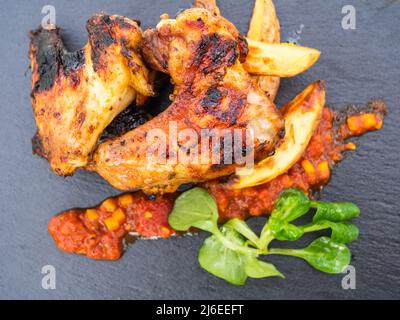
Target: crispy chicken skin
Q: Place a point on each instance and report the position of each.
(202, 53)
(75, 95)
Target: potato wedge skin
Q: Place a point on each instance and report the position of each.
(302, 116)
(282, 60)
(264, 26)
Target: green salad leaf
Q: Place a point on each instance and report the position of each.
(342, 232)
(291, 204)
(232, 265)
(194, 208)
(256, 268)
(232, 251)
(242, 227)
(284, 231)
(335, 211)
(221, 261)
(323, 254)
(328, 215)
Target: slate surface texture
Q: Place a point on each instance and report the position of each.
(356, 65)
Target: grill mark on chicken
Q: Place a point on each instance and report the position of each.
(212, 98)
(203, 48)
(213, 51)
(211, 104)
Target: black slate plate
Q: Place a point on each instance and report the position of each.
(356, 64)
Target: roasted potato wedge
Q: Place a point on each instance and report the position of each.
(281, 60)
(268, 57)
(264, 27)
(301, 116)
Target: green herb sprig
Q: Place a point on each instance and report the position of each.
(232, 251)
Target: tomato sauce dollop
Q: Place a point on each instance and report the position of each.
(99, 232)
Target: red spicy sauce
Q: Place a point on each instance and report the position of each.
(99, 232)
(311, 172)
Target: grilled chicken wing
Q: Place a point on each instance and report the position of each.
(202, 53)
(75, 95)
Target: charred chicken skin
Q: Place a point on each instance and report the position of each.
(75, 95)
(202, 53)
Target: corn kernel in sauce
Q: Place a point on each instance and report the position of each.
(351, 146)
(74, 232)
(148, 215)
(109, 205)
(323, 170)
(308, 167)
(111, 223)
(125, 200)
(92, 214)
(357, 124)
(119, 215)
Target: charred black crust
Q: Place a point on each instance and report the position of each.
(51, 58)
(101, 36)
(126, 121)
(243, 48)
(37, 146)
(123, 23)
(214, 52)
(212, 98)
(128, 54)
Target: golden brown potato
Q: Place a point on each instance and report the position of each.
(264, 27)
(301, 116)
(282, 60)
